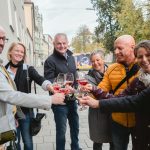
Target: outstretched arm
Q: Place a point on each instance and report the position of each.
(136, 103)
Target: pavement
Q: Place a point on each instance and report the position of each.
(45, 140)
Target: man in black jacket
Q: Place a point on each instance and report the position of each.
(62, 61)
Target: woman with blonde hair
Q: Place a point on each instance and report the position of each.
(100, 130)
(23, 76)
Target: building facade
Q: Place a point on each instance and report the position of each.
(13, 21)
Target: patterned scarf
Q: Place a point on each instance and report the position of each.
(144, 77)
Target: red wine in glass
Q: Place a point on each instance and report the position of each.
(56, 88)
(82, 82)
(64, 90)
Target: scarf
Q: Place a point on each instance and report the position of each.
(19, 72)
(144, 77)
(94, 76)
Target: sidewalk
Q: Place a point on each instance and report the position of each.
(45, 140)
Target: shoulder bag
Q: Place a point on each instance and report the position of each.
(35, 125)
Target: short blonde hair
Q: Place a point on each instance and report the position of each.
(12, 46)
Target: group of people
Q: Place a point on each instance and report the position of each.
(110, 121)
(128, 76)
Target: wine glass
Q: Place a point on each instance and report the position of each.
(56, 86)
(61, 79)
(80, 77)
(69, 82)
(69, 79)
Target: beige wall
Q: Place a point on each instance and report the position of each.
(29, 18)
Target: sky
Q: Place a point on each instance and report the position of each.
(66, 16)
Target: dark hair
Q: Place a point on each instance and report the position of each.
(143, 44)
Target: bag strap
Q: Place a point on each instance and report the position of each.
(135, 68)
(28, 78)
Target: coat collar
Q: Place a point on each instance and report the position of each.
(56, 53)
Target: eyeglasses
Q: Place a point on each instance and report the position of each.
(4, 39)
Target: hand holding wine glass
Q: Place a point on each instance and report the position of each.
(69, 82)
(59, 82)
(80, 77)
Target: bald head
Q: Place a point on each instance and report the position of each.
(2, 38)
(124, 49)
(126, 39)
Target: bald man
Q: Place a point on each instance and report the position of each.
(122, 123)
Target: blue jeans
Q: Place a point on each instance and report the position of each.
(24, 131)
(61, 114)
(120, 136)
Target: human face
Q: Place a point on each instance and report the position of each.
(123, 51)
(61, 44)
(17, 54)
(143, 58)
(2, 40)
(97, 62)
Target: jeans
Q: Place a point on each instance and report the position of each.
(120, 136)
(24, 131)
(61, 114)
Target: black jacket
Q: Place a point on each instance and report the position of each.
(136, 103)
(57, 63)
(141, 105)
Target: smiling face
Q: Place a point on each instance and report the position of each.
(17, 53)
(124, 49)
(143, 58)
(61, 43)
(97, 62)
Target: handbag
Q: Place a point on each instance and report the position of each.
(12, 146)
(7, 136)
(6, 132)
(35, 125)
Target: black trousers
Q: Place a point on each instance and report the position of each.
(98, 146)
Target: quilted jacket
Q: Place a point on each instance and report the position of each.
(114, 74)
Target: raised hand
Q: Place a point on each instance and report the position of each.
(50, 88)
(86, 88)
(58, 99)
(87, 100)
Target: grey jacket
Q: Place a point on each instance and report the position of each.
(9, 96)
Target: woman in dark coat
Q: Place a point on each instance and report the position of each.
(19, 71)
(100, 130)
(139, 103)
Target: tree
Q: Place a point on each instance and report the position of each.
(118, 17)
(130, 20)
(84, 41)
(133, 19)
(108, 25)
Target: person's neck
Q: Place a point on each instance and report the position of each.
(102, 69)
(15, 64)
(130, 61)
